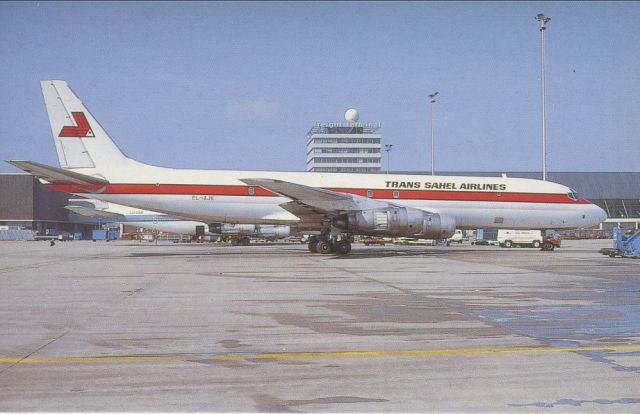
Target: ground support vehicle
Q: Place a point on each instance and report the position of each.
(519, 238)
(624, 245)
(457, 237)
(550, 242)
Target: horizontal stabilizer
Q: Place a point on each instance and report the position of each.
(55, 175)
(92, 212)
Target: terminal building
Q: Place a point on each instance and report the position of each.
(25, 203)
(349, 146)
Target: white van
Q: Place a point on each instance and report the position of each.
(524, 238)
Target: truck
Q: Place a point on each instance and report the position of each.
(485, 237)
(519, 238)
(456, 238)
(527, 238)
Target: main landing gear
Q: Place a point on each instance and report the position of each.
(240, 241)
(327, 243)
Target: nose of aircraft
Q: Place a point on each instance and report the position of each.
(596, 214)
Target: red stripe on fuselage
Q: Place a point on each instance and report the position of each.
(171, 189)
(466, 196)
(239, 190)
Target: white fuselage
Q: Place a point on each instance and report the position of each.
(153, 220)
(219, 196)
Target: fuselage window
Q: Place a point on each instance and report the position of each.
(251, 191)
(396, 194)
(370, 193)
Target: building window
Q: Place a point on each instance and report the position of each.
(346, 140)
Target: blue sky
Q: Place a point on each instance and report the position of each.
(238, 85)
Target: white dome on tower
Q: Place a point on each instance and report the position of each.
(351, 115)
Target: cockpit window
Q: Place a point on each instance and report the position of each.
(573, 194)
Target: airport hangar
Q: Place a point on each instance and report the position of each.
(27, 204)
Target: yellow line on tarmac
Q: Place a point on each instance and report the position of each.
(303, 355)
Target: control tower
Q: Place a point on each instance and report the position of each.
(349, 146)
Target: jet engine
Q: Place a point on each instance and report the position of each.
(397, 222)
(274, 232)
(260, 230)
(227, 228)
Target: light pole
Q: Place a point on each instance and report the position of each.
(432, 97)
(387, 147)
(543, 26)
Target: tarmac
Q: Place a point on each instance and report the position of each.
(127, 326)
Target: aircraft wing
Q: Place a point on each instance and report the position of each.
(312, 204)
(55, 175)
(319, 198)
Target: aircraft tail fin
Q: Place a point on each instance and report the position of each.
(80, 140)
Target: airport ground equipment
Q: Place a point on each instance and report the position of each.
(550, 242)
(457, 237)
(103, 235)
(624, 245)
(519, 238)
(486, 237)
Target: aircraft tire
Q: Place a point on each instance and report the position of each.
(323, 247)
(343, 247)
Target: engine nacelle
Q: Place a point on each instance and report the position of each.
(227, 228)
(274, 232)
(397, 222)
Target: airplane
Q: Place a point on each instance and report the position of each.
(336, 205)
(96, 211)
